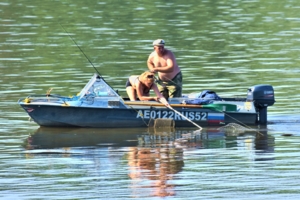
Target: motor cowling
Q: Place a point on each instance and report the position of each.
(261, 95)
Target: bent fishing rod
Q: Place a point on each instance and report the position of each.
(82, 51)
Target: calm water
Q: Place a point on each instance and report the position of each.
(226, 46)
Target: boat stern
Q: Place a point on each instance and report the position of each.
(262, 96)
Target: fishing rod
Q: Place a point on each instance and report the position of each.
(82, 51)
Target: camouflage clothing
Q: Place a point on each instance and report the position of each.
(172, 88)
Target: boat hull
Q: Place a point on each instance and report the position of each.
(62, 116)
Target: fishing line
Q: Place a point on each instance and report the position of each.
(157, 80)
(243, 124)
(81, 51)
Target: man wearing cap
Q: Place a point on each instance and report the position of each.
(163, 61)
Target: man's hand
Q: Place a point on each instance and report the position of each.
(153, 70)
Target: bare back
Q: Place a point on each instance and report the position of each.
(134, 80)
(141, 87)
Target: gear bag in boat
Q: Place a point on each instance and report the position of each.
(205, 97)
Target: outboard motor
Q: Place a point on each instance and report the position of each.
(262, 96)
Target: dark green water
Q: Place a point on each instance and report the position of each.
(226, 46)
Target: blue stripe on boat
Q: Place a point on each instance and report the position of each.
(215, 118)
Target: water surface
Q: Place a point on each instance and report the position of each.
(226, 46)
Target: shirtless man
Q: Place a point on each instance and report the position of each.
(163, 61)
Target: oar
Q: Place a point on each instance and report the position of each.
(221, 107)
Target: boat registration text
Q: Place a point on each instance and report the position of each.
(153, 114)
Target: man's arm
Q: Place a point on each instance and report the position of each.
(150, 64)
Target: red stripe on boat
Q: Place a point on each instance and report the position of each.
(215, 121)
(29, 109)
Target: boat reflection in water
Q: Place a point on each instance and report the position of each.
(54, 138)
(152, 154)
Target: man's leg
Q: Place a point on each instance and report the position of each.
(163, 90)
(175, 87)
(174, 91)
